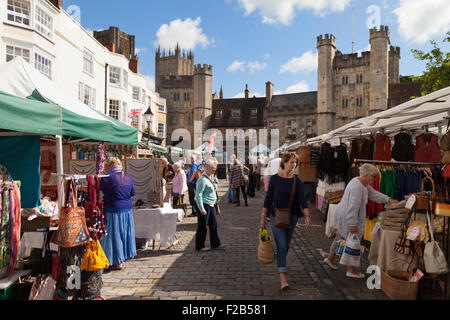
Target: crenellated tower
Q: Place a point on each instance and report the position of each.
(203, 93)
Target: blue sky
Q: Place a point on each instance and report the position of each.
(255, 41)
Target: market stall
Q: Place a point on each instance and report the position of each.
(409, 144)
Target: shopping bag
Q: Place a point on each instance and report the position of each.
(180, 204)
(266, 251)
(94, 259)
(352, 252)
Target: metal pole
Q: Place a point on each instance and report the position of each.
(59, 168)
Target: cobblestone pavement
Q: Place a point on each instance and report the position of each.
(181, 273)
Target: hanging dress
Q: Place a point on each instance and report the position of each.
(427, 149)
(383, 148)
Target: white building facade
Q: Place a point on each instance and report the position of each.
(57, 45)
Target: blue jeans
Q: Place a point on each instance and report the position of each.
(202, 222)
(231, 195)
(283, 239)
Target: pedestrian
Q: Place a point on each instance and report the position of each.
(238, 181)
(119, 244)
(192, 177)
(167, 175)
(251, 177)
(258, 173)
(179, 185)
(350, 215)
(206, 198)
(278, 195)
(231, 192)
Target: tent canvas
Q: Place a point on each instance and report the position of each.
(260, 149)
(32, 103)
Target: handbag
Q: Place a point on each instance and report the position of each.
(72, 230)
(434, 258)
(43, 288)
(422, 198)
(94, 258)
(283, 216)
(266, 251)
(352, 252)
(94, 211)
(180, 204)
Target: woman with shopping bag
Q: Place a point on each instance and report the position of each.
(350, 216)
(179, 186)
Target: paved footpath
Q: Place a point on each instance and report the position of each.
(181, 273)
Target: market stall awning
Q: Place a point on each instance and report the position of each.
(431, 110)
(32, 103)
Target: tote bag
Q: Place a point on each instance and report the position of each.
(352, 252)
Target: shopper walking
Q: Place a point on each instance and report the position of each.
(119, 244)
(192, 177)
(206, 198)
(179, 185)
(279, 193)
(350, 215)
(238, 181)
(231, 192)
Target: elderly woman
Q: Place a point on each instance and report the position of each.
(206, 198)
(119, 243)
(179, 184)
(238, 181)
(350, 215)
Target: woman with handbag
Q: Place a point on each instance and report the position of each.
(350, 215)
(179, 187)
(238, 182)
(285, 191)
(206, 199)
(119, 244)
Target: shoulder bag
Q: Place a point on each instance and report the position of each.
(283, 216)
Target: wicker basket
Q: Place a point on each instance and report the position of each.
(39, 223)
(396, 289)
(422, 198)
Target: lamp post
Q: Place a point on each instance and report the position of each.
(148, 117)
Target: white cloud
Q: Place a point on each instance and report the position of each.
(141, 50)
(187, 34)
(256, 66)
(150, 82)
(236, 65)
(420, 20)
(242, 95)
(302, 86)
(306, 63)
(283, 11)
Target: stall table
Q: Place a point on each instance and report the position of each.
(158, 224)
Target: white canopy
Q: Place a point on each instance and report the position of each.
(260, 149)
(431, 111)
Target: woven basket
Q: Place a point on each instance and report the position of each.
(39, 223)
(266, 252)
(422, 198)
(396, 289)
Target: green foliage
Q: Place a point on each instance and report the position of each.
(437, 74)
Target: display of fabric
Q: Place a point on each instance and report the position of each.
(101, 156)
(427, 149)
(403, 149)
(10, 205)
(143, 173)
(361, 149)
(374, 208)
(383, 148)
(83, 167)
(333, 164)
(22, 156)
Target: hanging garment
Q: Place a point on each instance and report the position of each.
(427, 149)
(333, 163)
(403, 149)
(374, 208)
(383, 148)
(361, 149)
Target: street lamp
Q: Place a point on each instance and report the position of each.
(148, 117)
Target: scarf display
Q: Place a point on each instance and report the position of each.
(10, 206)
(83, 167)
(101, 156)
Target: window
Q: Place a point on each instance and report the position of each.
(44, 23)
(173, 119)
(161, 108)
(187, 96)
(19, 11)
(125, 79)
(125, 112)
(161, 130)
(219, 114)
(87, 95)
(253, 113)
(359, 78)
(114, 106)
(88, 62)
(13, 52)
(344, 103)
(236, 113)
(176, 97)
(114, 75)
(189, 120)
(143, 96)
(136, 93)
(42, 64)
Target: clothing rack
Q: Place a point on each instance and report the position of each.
(76, 177)
(399, 162)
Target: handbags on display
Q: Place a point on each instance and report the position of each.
(94, 213)
(43, 288)
(283, 216)
(434, 258)
(72, 229)
(94, 259)
(422, 198)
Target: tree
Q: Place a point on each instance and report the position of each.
(437, 74)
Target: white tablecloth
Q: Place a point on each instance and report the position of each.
(157, 224)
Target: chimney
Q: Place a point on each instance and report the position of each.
(247, 92)
(111, 47)
(134, 65)
(269, 92)
(221, 92)
(57, 3)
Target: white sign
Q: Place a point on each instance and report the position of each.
(410, 203)
(336, 142)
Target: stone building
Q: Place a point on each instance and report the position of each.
(187, 88)
(352, 86)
